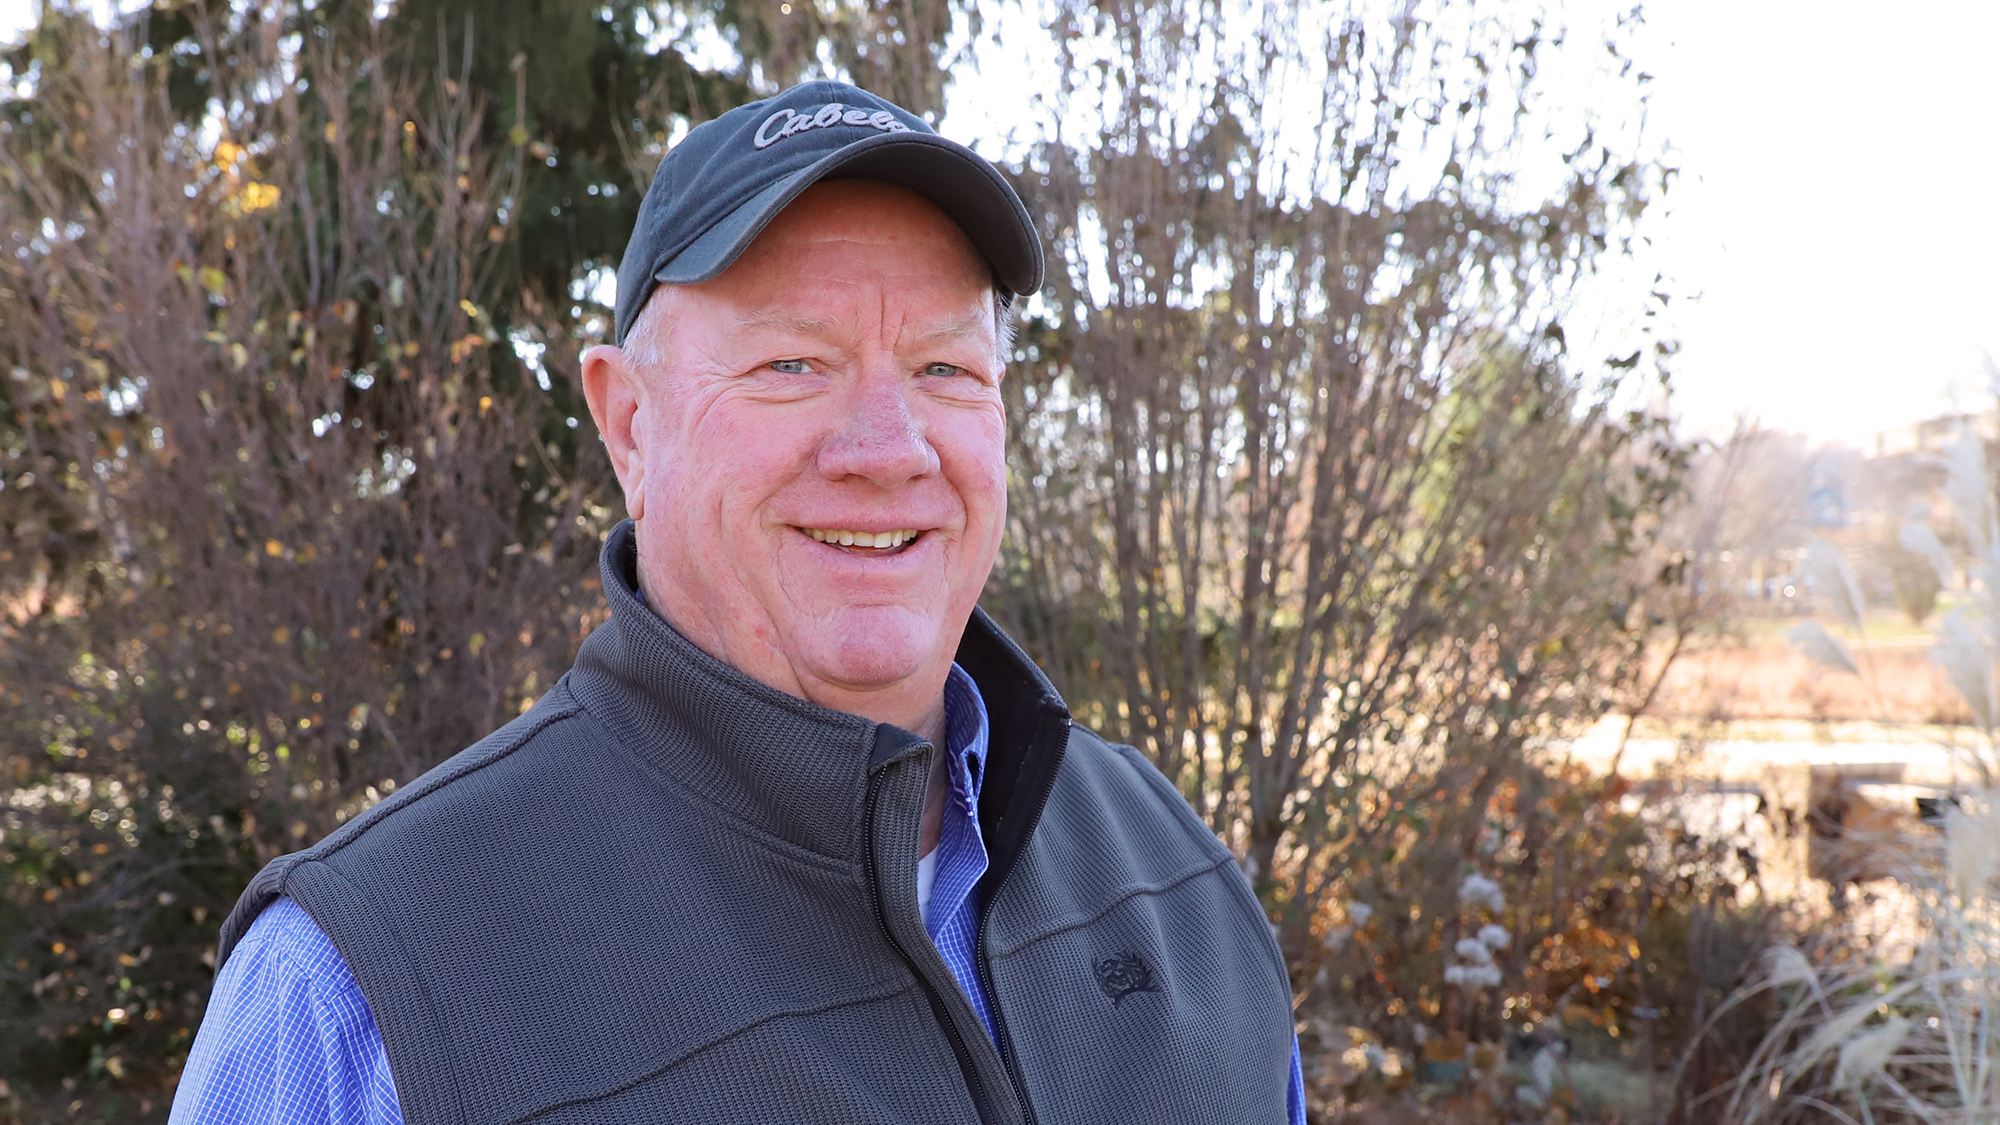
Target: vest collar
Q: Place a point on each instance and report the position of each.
(789, 767)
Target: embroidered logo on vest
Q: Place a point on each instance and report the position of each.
(1122, 974)
(786, 123)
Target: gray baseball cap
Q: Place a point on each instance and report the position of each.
(729, 177)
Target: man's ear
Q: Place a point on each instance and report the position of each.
(610, 386)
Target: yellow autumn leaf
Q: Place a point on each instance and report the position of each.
(273, 548)
(470, 309)
(257, 196)
(464, 346)
(214, 280)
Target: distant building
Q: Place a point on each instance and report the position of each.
(1933, 435)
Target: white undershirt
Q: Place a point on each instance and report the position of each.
(926, 875)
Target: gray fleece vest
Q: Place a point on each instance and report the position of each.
(668, 893)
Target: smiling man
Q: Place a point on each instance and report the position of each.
(802, 837)
(812, 447)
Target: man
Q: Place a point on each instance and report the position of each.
(802, 837)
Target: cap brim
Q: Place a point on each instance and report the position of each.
(965, 187)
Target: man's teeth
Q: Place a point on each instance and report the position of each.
(876, 539)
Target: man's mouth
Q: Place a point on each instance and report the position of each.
(885, 542)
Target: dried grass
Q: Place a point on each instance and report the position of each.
(1748, 682)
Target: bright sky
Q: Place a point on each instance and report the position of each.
(1839, 211)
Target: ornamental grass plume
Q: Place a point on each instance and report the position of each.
(1866, 1035)
(1864, 1056)
(1784, 964)
(1972, 841)
(1863, 1033)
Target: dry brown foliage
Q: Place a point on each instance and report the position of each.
(285, 520)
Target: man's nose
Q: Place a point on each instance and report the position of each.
(880, 438)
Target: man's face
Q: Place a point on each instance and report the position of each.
(817, 448)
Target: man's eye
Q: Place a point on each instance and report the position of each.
(943, 370)
(790, 366)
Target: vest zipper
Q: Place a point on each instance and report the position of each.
(986, 973)
(970, 1070)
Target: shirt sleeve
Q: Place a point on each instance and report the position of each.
(1295, 1095)
(288, 1037)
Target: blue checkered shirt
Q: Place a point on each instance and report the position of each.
(961, 852)
(289, 1039)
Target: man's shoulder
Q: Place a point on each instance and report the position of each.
(457, 792)
(285, 961)
(1110, 797)
(1117, 777)
(557, 723)
(1115, 831)
(287, 1026)
(287, 944)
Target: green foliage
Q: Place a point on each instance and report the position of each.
(1915, 581)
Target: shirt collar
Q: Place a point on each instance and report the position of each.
(965, 730)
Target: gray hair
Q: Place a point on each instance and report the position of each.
(645, 343)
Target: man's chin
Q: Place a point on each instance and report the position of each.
(876, 651)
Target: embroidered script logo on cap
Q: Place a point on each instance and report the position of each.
(786, 123)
